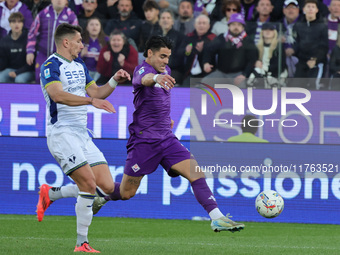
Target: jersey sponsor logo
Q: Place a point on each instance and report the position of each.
(135, 168)
(142, 70)
(47, 73)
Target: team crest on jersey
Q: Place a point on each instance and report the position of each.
(135, 168)
(47, 73)
(142, 70)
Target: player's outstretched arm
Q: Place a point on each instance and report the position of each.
(58, 95)
(106, 90)
(165, 80)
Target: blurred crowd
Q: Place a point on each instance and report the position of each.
(258, 43)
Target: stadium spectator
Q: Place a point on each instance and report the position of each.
(264, 8)
(94, 39)
(88, 11)
(108, 8)
(249, 9)
(249, 128)
(185, 21)
(138, 8)
(229, 7)
(333, 23)
(211, 8)
(334, 67)
(311, 47)
(13, 67)
(196, 42)
(151, 24)
(36, 6)
(152, 141)
(270, 65)
(127, 21)
(235, 46)
(176, 63)
(170, 5)
(40, 42)
(291, 13)
(9, 6)
(118, 54)
(65, 81)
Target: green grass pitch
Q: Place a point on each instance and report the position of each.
(24, 235)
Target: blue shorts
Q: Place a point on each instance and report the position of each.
(144, 155)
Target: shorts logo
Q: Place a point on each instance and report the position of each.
(72, 159)
(47, 73)
(135, 168)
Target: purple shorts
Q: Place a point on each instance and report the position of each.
(144, 155)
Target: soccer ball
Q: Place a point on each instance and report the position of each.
(269, 204)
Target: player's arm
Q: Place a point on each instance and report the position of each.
(58, 95)
(165, 80)
(106, 90)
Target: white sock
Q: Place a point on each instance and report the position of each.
(65, 191)
(215, 214)
(84, 213)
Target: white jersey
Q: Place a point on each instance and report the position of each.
(75, 79)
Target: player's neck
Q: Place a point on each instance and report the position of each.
(65, 55)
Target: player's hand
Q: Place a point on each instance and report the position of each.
(12, 74)
(107, 56)
(207, 67)
(121, 76)
(172, 124)
(166, 81)
(103, 104)
(121, 59)
(29, 58)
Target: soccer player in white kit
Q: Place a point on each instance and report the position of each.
(65, 81)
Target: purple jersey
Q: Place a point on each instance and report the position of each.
(151, 118)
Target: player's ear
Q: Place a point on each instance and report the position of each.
(150, 53)
(66, 42)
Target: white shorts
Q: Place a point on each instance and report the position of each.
(73, 148)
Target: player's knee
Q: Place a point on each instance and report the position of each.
(128, 195)
(90, 186)
(108, 189)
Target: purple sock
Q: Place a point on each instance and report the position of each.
(115, 195)
(204, 195)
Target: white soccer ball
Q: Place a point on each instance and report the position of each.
(269, 204)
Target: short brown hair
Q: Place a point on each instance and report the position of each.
(150, 4)
(65, 29)
(227, 3)
(16, 16)
(311, 2)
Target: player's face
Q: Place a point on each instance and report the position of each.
(93, 27)
(76, 45)
(16, 26)
(159, 59)
(117, 43)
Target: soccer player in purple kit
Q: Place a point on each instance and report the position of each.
(151, 139)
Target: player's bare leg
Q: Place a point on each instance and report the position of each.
(189, 169)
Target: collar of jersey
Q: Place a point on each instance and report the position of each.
(60, 56)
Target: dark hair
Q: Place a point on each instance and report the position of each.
(101, 37)
(227, 3)
(150, 4)
(311, 2)
(16, 16)
(246, 127)
(65, 29)
(155, 43)
(189, 1)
